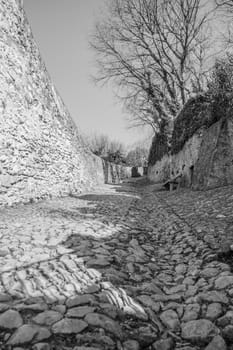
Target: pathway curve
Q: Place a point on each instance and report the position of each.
(128, 267)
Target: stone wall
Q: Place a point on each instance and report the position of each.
(41, 152)
(182, 162)
(114, 173)
(206, 160)
(214, 166)
(202, 154)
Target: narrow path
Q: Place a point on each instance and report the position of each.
(128, 267)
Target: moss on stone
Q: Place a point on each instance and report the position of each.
(199, 112)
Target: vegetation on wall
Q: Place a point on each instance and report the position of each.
(204, 110)
(160, 146)
(200, 111)
(221, 87)
(194, 115)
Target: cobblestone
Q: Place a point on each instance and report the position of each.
(128, 267)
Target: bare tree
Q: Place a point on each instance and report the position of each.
(99, 144)
(102, 146)
(137, 157)
(154, 51)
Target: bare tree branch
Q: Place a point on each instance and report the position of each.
(154, 51)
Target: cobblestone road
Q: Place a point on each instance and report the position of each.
(129, 267)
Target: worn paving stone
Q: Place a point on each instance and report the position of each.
(224, 282)
(47, 318)
(170, 319)
(217, 343)
(199, 331)
(225, 319)
(102, 321)
(227, 333)
(149, 302)
(214, 297)
(27, 333)
(80, 300)
(209, 272)
(10, 319)
(69, 326)
(43, 334)
(80, 312)
(192, 312)
(214, 311)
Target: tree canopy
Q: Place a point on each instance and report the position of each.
(154, 51)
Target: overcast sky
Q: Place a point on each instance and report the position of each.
(61, 29)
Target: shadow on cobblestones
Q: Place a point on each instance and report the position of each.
(226, 258)
(125, 268)
(62, 273)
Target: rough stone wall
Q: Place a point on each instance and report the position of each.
(205, 161)
(214, 166)
(184, 161)
(181, 162)
(201, 145)
(114, 173)
(41, 152)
